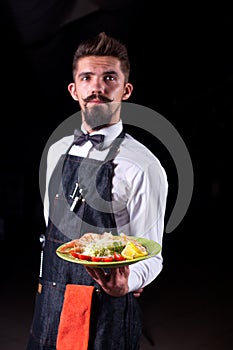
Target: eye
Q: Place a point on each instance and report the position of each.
(110, 78)
(85, 78)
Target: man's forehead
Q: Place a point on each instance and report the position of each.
(98, 63)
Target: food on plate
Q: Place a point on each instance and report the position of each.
(104, 247)
(132, 251)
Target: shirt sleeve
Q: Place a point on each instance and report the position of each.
(147, 189)
(54, 153)
(49, 171)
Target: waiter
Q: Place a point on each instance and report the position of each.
(99, 180)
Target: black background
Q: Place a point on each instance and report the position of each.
(181, 67)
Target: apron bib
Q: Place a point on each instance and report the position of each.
(80, 203)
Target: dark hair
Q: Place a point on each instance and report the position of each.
(103, 45)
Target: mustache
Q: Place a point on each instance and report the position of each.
(99, 97)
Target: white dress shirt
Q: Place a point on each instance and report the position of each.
(139, 182)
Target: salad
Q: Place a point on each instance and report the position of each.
(104, 247)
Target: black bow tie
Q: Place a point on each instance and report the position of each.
(96, 140)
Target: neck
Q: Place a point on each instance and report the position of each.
(89, 129)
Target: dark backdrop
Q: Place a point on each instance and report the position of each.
(181, 67)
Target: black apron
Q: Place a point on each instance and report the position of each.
(115, 321)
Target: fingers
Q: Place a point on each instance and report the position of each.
(124, 270)
(138, 292)
(114, 283)
(99, 275)
(119, 272)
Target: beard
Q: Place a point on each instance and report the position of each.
(100, 115)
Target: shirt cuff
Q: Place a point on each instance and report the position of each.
(144, 272)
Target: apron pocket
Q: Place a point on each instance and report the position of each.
(67, 222)
(48, 305)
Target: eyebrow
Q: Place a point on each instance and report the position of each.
(104, 73)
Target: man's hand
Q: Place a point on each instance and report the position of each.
(114, 283)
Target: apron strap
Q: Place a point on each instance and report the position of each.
(114, 148)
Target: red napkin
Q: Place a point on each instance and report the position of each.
(73, 331)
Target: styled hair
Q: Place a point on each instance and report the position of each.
(103, 45)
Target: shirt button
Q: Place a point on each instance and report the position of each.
(54, 284)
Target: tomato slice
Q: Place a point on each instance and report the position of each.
(107, 259)
(92, 258)
(74, 254)
(102, 258)
(96, 258)
(81, 256)
(118, 257)
(84, 257)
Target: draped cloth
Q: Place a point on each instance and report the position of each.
(74, 326)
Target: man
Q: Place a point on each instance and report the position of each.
(111, 183)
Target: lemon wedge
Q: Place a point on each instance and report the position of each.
(132, 251)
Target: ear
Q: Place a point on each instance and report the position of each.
(127, 91)
(72, 91)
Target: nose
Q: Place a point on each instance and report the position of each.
(97, 86)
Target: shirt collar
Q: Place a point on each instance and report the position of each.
(109, 132)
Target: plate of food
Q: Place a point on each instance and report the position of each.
(108, 250)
